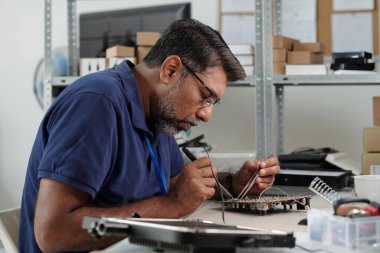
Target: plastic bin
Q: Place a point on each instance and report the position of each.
(354, 233)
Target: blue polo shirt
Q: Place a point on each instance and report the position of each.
(93, 139)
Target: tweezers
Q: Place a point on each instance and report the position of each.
(224, 190)
(249, 184)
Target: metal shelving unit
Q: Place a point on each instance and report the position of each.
(269, 114)
(313, 80)
(281, 81)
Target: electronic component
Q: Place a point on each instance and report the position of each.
(269, 203)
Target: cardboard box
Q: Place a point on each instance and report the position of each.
(147, 38)
(113, 61)
(142, 52)
(278, 68)
(120, 51)
(283, 42)
(369, 159)
(279, 55)
(304, 57)
(376, 111)
(91, 65)
(371, 139)
(316, 47)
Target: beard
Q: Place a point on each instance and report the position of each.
(166, 121)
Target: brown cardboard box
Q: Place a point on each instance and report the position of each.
(142, 52)
(316, 47)
(283, 42)
(371, 139)
(279, 55)
(304, 57)
(376, 111)
(147, 38)
(369, 159)
(278, 68)
(120, 51)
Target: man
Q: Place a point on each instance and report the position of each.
(105, 147)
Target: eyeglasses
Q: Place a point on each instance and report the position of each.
(208, 100)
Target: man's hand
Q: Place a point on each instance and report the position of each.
(268, 168)
(194, 185)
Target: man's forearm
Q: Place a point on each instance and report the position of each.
(67, 235)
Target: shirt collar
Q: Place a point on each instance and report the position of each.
(137, 113)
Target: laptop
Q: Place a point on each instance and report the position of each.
(194, 236)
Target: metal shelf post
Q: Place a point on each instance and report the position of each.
(47, 56)
(279, 120)
(73, 52)
(264, 80)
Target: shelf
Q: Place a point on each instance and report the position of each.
(359, 79)
(59, 83)
(63, 80)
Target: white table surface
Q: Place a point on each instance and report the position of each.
(283, 220)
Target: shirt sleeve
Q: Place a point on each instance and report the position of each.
(82, 142)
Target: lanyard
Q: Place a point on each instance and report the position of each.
(158, 168)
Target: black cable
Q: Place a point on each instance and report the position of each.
(314, 250)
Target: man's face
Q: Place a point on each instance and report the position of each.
(182, 107)
(167, 107)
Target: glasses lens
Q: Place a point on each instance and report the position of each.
(211, 99)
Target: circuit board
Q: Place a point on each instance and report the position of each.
(268, 203)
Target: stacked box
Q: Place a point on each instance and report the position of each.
(117, 54)
(306, 53)
(246, 56)
(114, 56)
(371, 140)
(145, 41)
(306, 59)
(120, 51)
(281, 46)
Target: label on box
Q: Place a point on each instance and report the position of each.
(91, 65)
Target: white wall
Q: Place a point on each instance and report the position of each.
(21, 27)
(314, 116)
